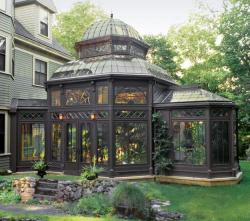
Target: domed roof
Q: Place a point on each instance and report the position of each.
(111, 26)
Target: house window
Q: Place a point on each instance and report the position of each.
(32, 141)
(131, 143)
(2, 53)
(71, 143)
(189, 142)
(3, 5)
(102, 95)
(44, 21)
(2, 133)
(40, 72)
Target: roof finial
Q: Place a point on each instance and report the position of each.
(111, 15)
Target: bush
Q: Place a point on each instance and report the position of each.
(130, 201)
(248, 154)
(9, 197)
(6, 185)
(91, 172)
(95, 205)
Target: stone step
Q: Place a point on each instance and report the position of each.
(47, 184)
(44, 197)
(46, 191)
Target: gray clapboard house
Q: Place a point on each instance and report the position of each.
(28, 56)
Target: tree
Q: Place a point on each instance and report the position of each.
(235, 28)
(161, 53)
(71, 25)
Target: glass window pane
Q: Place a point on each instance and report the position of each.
(2, 133)
(102, 143)
(220, 142)
(86, 143)
(131, 143)
(130, 95)
(71, 143)
(32, 141)
(44, 29)
(77, 96)
(189, 142)
(2, 53)
(56, 98)
(56, 141)
(102, 95)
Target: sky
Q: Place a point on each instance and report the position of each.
(147, 16)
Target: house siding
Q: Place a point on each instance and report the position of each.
(28, 16)
(6, 23)
(5, 89)
(24, 88)
(5, 162)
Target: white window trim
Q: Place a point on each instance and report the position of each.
(8, 55)
(6, 134)
(4, 10)
(34, 68)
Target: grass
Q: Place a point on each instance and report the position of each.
(224, 203)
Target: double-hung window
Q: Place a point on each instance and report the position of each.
(2, 53)
(44, 22)
(40, 72)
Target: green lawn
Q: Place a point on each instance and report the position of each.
(225, 203)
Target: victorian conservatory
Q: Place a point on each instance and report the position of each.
(102, 104)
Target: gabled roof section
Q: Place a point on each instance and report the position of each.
(20, 30)
(49, 4)
(192, 94)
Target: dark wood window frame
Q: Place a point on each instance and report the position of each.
(3, 133)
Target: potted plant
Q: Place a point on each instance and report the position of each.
(41, 167)
(91, 171)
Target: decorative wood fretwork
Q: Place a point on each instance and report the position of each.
(220, 112)
(77, 96)
(31, 116)
(123, 114)
(186, 113)
(82, 115)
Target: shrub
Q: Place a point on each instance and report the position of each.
(40, 166)
(91, 172)
(248, 154)
(6, 185)
(95, 205)
(130, 201)
(9, 197)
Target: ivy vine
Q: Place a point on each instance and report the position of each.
(162, 144)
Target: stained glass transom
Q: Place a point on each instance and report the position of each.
(77, 96)
(31, 116)
(123, 114)
(188, 113)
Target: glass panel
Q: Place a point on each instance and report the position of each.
(102, 143)
(131, 143)
(56, 98)
(71, 143)
(32, 141)
(130, 95)
(86, 143)
(220, 142)
(44, 29)
(2, 133)
(189, 142)
(56, 141)
(77, 96)
(102, 95)
(220, 112)
(2, 53)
